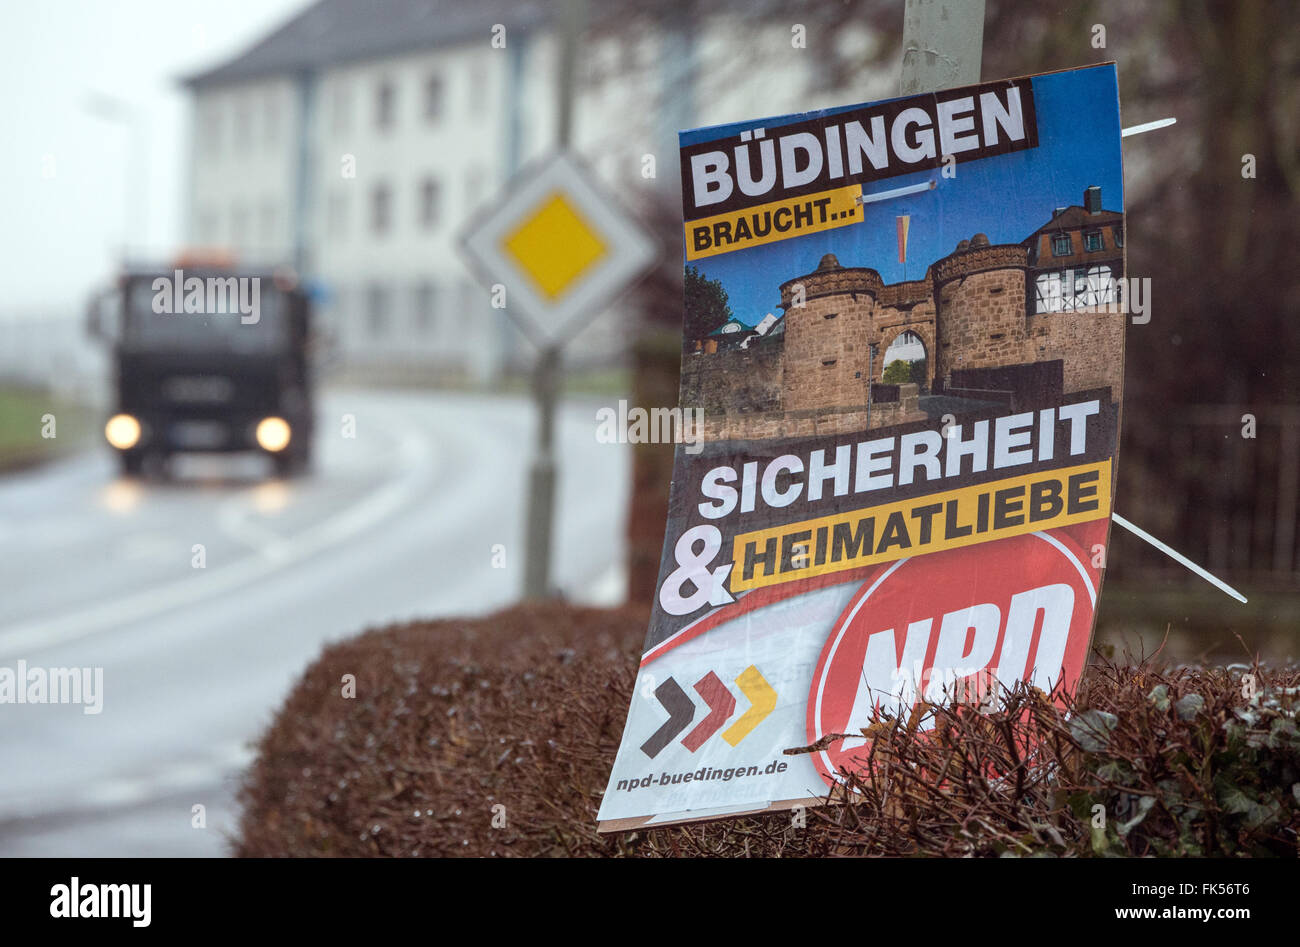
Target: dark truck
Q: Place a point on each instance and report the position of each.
(208, 358)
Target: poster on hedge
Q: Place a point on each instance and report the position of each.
(904, 338)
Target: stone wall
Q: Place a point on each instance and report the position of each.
(970, 313)
(734, 380)
(838, 420)
(1091, 343)
(984, 323)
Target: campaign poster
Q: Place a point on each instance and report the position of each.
(902, 360)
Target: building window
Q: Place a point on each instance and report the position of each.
(471, 300)
(212, 128)
(433, 98)
(1061, 244)
(271, 117)
(385, 105)
(1092, 241)
(376, 310)
(1099, 287)
(341, 108)
(381, 208)
(424, 312)
(268, 224)
(1047, 292)
(478, 88)
(429, 195)
(473, 188)
(238, 225)
(1118, 234)
(243, 122)
(335, 312)
(1068, 290)
(337, 214)
(208, 227)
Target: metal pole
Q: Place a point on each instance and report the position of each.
(943, 42)
(573, 16)
(135, 181)
(1288, 482)
(546, 375)
(541, 477)
(303, 259)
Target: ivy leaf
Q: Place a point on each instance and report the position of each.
(1100, 843)
(1189, 706)
(1282, 732)
(1249, 717)
(1092, 728)
(1144, 806)
(1159, 696)
(1257, 814)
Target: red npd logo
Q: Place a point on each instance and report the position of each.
(956, 622)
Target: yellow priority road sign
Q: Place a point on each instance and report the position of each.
(559, 247)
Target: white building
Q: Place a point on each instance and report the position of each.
(357, 140)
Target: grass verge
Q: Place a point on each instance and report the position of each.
(26, 414)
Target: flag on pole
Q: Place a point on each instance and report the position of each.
(902, 222)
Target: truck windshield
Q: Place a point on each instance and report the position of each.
(210, 313)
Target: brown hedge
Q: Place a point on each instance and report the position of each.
(524, 709)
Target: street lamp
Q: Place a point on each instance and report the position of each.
(136, 176)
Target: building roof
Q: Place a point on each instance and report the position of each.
(330, 32)
(1072, 218)
(740, 329)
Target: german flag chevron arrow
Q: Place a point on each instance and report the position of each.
(762, 701)
(680, 713)
(721, 705)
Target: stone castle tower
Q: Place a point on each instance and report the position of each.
(972, 312)
(845, 312)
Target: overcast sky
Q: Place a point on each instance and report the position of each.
(64, 170)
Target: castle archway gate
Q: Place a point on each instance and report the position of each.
(890, 334)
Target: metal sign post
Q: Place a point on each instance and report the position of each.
(560, 251)
(943, 43)
(541, 477)
(546, 373)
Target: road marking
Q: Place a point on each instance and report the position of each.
(118, 792)
(156, 546)
(414, 451)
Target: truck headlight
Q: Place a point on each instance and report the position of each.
(122, 431)
(273, 434)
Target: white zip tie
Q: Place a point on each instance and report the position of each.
(1142, 534)
(897, 192)
(1147, 127)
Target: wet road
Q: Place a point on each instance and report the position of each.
(100, 572)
